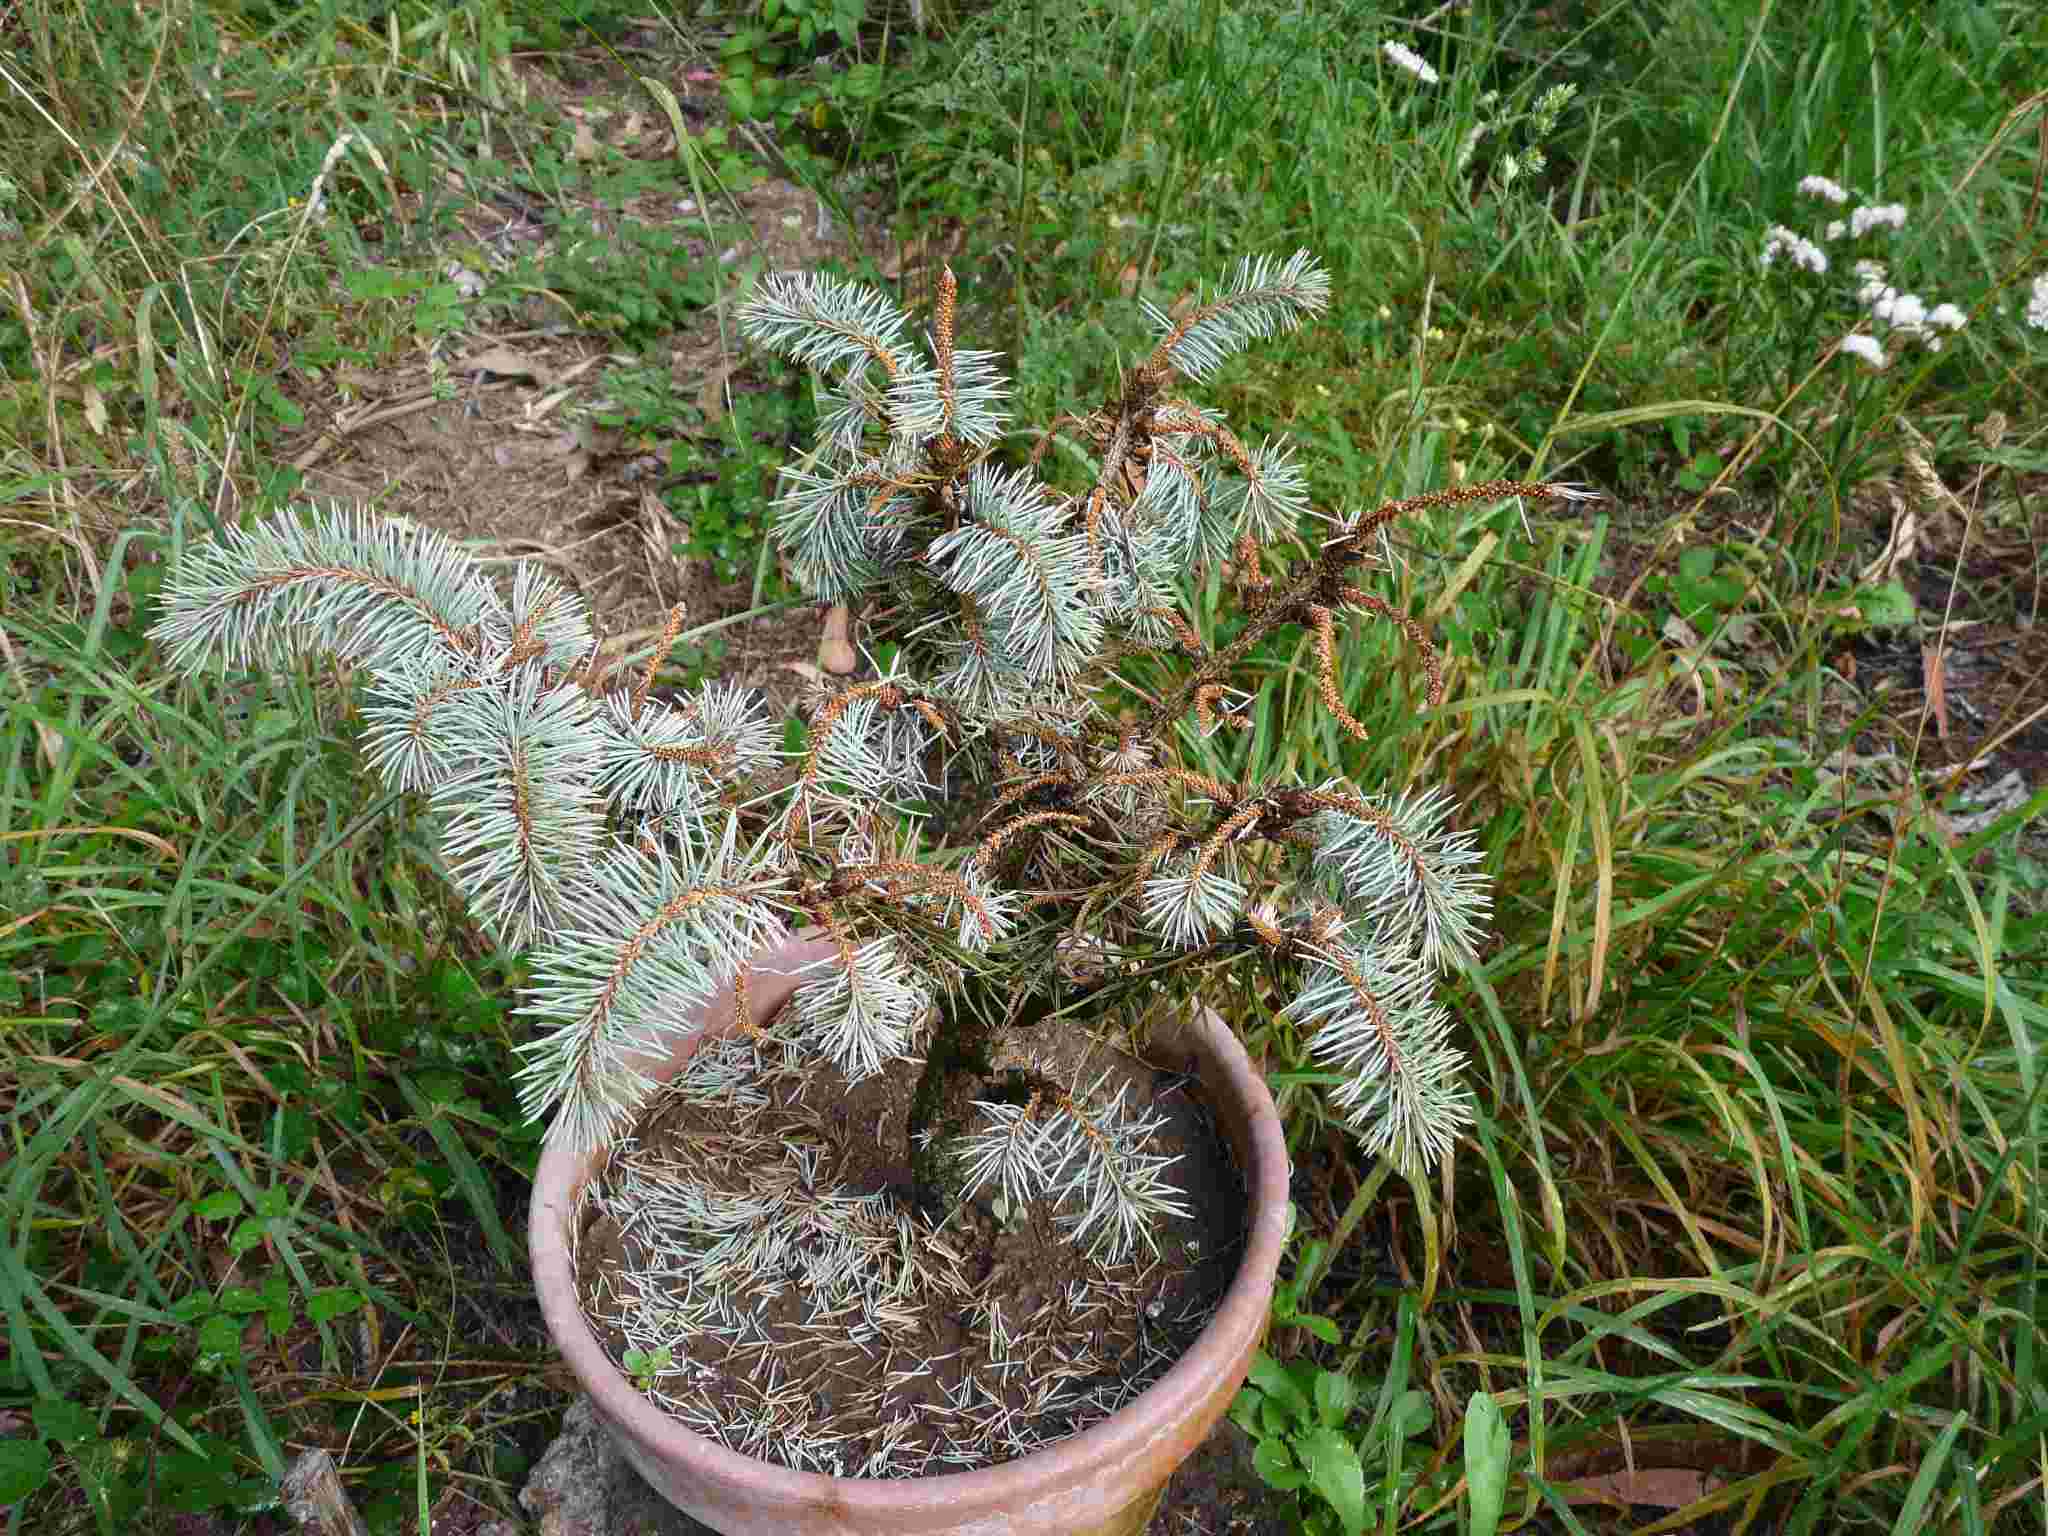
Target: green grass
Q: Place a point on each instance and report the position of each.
(1757, 1184)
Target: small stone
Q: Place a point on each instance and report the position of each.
(314, 1497)
(582, 1486)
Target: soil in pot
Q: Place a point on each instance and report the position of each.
(752, 1259)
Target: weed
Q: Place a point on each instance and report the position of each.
(719, 476)
(722, 497)
(761, 80)
(553, 26)
(637, 283)
(646, 1365)
(1333, 1439)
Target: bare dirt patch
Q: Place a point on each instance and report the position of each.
(496, 434)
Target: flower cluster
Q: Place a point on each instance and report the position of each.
(1905, 315)
(1403, 57)
(1865, 219)
(1862, 221)
(1895, 314)
(2037, 304)
(1795, 247)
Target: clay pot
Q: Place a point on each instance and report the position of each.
(1106, 1481)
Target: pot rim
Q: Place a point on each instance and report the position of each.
(1221, 1351)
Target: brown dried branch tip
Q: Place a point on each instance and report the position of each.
(1311, 592)
(943, 315)
(1417, 636)
(670, 629)
(1463, 495)
(994, 843)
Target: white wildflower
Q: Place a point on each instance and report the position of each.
(1874, 290)
(2037, 305)
(1865, 347)
(1871, 215)
(1835, 230)
(1407, 58)
(1822, 188)
(1902, 310)
(1908, 315)
(1799, 250)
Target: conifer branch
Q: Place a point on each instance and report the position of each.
(671, 627)
(992, 846)
(1253, 583)
(864, 1011)
(341, 582)
(1183, 778)
(835, 523)
(742, 1004)
(1374, 1022)
(859, 737)
(942, 340)
(969, 386)
(406, 714)
(1024, 573)
(1187, 903)
(1262, 300)
(1213, 711)
(520, 807)
(830, 325)
(1085, 1154)
(653, 938)
(1401, 862)
(1261, 920)
(984, 912)
(1353, 534)
(1058, 783)
(549, 624)
(1319, 581)
(1183, 631)
(673, 758)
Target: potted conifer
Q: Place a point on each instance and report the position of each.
(995, 835)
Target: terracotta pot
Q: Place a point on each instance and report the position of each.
(1106, 1481)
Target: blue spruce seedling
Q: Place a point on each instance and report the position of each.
(643, 849)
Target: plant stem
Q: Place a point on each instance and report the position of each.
(962, 1045)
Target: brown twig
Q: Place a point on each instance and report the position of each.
(1321, 576)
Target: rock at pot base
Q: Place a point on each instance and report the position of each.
(582, 1486)
(314, 1497)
